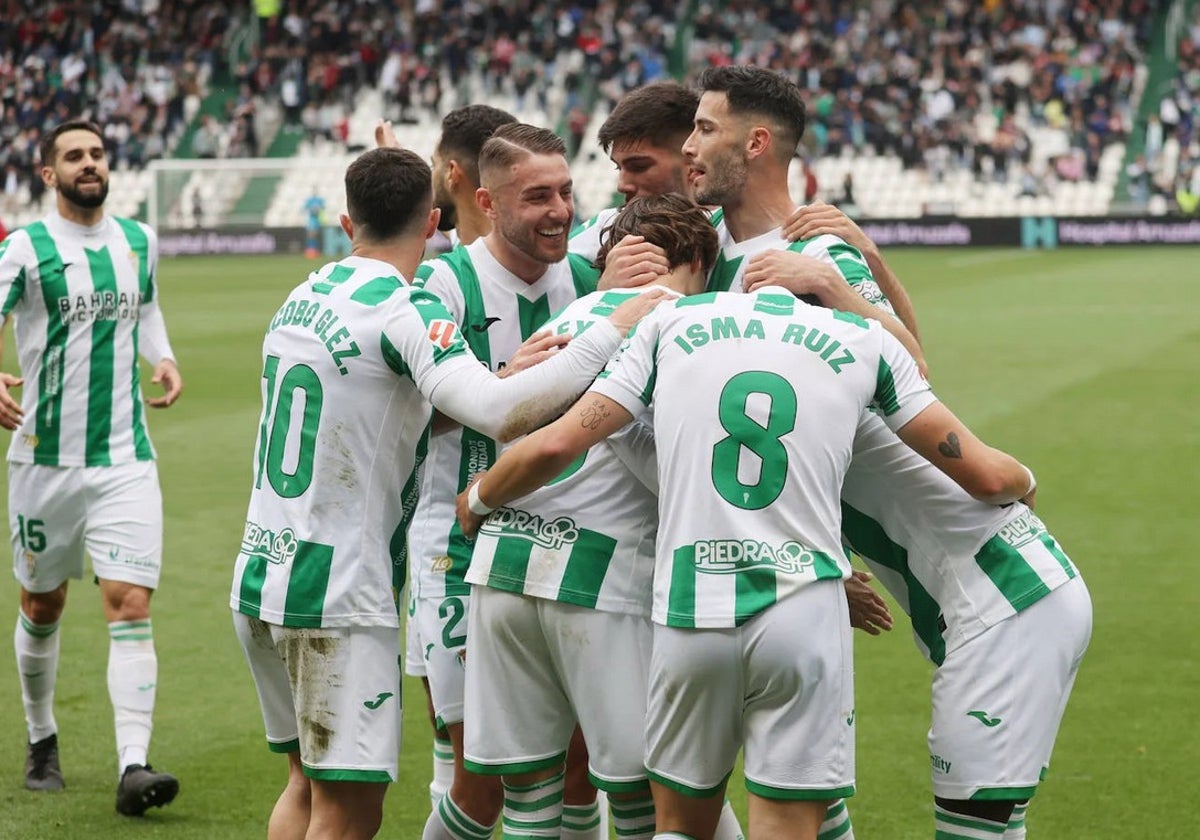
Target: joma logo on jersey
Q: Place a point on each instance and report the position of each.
(727, 557)
(1022, 530)
(273, 547)
(547, 533)
(99, 306)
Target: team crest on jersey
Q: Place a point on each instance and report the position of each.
(547, 533)
(728, 557)
(443, 333)
(276, 547)
(442, 564)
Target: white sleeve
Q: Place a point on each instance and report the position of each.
(456, 382)
(15, 254)
(634, 447)
(153, 344)
(901, 393)
(629, 377)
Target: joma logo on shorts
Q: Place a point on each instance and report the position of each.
(273, 547)
(547, 533)
(1024, 529)
(727, 557)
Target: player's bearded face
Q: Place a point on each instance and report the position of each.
(81, 169)
(715, 152)
(723, 179)
(535, 209)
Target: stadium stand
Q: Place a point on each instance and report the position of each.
(1000, 107)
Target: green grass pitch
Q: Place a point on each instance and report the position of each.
(1081, 362)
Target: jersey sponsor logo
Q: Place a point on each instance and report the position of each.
(442, 564)
(378, 701)
(442, 332)
(274, 547)
(939, 764)
(99, 306)
(547, 533)
(729, 557)
(1023, 530)
(486, 325)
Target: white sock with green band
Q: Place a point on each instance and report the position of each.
(581, 822)
(449, 822)
(1016, 823)
(36, 646)
(951, 826)
(728, 827)
(633, 818)
(132, 684)
(443, 769)
(532, 811)
(837, 823)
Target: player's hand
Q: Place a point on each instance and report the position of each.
(633, 262)
(11, 414)
(868, 610)
(385, 136)
(166, 373)
(625, 316)
(469, 522)
(533, 351)
(795, 272)
(818, 218)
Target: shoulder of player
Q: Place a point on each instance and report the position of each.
(17, 247)
(820, 242)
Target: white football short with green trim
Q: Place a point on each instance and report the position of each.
(414, 650)
(999, 698)
(342, 709)
(537, 666)
(781, 685)
(56, 513)
(441, 627)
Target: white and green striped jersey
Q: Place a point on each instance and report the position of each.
(756, 398)
(957, 566)
(351, 362)
(496, 311)
(587, 537)
(726, 274)
(78, 295)
(585, 238)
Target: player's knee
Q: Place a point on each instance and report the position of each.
(125, 601)
(994, 810)
(44, 607)
(480, 797)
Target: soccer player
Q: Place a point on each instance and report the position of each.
(314, 212)
(348, 362)
(82, 286)
(751, 643)
(560, 597)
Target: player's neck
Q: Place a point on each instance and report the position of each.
(404, 257)
(513, 260)
(471, 223)
(683, 279)
(764, 204)
(83, 216)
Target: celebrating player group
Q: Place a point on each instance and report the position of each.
(621, 465)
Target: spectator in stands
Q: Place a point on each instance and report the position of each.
(206, 140)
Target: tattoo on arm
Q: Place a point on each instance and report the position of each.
(594, 415)
(950, 447)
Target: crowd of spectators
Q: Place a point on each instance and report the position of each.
(949, 84)
(134, 66)
(1169, 167)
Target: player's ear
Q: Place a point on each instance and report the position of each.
(759, 141)
(48, 177)
(431, 224)
(483, 197)
(347, 226)
(454, 175)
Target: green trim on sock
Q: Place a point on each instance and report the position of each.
(942, 815)
(38, 631)
(840, 830)
(459, 824)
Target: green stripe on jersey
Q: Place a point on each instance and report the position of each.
(723, 273)
(866, 537)
(532, 314)
(584, 275)
(375, 292)
(100, 365)
(305, 600)
(770, 304)
(510, 563)
(681, 597)
(254, 575)
(1018, 582)
(398, 545)
(460, 263)
(15, 293)
(392, 356)
(139, 244)
(1057, 553)
(587, 565)
(755, 590)
(885, 389)
(53, 279)
(339, 275)
(849, 318)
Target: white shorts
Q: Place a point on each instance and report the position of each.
(332, 693)
(782, 684)
(414, 653)
(537, 666)
(999, 698)
(442, 629)
(56, 513)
